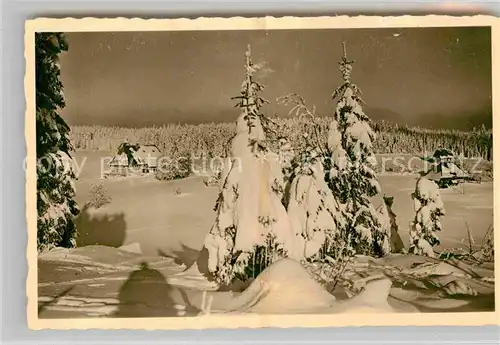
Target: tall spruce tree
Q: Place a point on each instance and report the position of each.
(55, 176)
(351, 175)
(251, 229)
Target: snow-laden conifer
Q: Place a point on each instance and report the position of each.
(251, 229)
(351, 167)
(56, 207)
(429, 208)
(311, 206)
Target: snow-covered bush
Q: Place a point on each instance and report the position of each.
(99, 195)
(429, 208)
(56, 207)
(177, 166)
(251, 229)
(213, 180)
(350, 168)
(215, 172)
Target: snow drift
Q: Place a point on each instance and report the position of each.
(286, 287)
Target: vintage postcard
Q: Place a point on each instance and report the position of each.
(261, 172)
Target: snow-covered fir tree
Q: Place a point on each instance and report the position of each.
(350, 168)
(311, 205)
(312, 208)
(429, 208)
(251, 229)
(55, 175)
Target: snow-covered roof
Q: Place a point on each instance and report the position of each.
(145, 155)
(153, 150)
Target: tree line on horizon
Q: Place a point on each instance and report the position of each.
(210, 139)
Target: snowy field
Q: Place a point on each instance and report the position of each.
(175, 216)
(164, 223)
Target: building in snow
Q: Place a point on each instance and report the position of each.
(135, 157)
(148, 155)
(444, 171)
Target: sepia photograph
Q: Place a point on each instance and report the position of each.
(260, 170)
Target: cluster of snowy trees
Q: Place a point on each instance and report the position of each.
(306, 201)
(313, 204)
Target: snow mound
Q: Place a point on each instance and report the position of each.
(286, 287)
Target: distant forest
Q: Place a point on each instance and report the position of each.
(211, 139)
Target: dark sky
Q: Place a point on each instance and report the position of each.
(437, 77)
